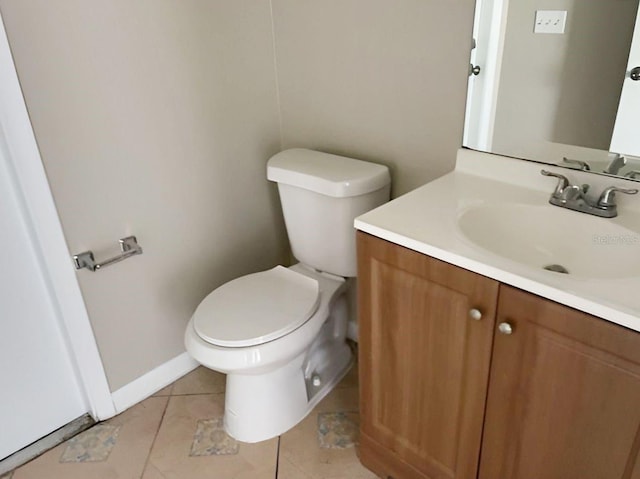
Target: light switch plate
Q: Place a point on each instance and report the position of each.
(550, 21)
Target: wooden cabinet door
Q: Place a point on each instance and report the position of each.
(424, 362)
(564, 395)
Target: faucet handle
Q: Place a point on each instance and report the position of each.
(563, 181)
(608, 196)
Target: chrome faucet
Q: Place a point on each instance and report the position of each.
(574, 197)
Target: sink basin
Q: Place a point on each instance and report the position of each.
(547, 237)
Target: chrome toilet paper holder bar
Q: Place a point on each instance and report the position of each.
(129, 247)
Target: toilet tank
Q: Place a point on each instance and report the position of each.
(321, 195)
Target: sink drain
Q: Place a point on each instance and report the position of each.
(557, 268)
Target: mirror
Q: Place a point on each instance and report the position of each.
(557, 86)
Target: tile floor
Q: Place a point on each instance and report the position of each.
(177, 434)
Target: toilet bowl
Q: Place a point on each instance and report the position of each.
(290, 373)
(280, 335)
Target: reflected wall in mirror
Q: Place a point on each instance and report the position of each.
(557, 97)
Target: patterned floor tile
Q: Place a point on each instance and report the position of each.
(172, 458)
(189, 441)
(211, 439)
(136, 429)
(321, 446)
(93, 445)
(338, 430)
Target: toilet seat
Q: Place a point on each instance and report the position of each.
(257, 308)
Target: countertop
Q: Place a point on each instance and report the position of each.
(426, 220)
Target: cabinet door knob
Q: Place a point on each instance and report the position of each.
(475, 313)
(505, 328)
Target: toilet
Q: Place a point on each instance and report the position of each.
(280, 335)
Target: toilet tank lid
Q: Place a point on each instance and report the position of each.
(327, 174)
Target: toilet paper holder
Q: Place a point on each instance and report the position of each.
(129, 247)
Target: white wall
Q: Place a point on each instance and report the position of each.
(376, 79)
(157, 117)
(154, 118)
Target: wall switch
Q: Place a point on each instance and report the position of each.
(550, 21)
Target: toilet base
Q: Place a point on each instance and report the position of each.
(263, 406)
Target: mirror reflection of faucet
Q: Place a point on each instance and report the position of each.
(574, 197)
(582, 165)
(616, 164)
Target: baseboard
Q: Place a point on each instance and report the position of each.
(152, 382)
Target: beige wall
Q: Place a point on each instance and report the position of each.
(562, 88)
(156, 118)
(376, 79)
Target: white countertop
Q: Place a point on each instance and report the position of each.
(426, 220)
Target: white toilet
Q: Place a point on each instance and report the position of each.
(280, 335)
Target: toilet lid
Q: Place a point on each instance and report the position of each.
(257, 308)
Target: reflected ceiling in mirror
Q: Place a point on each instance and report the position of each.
(567, 98)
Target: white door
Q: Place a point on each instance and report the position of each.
(486, 54)
(626, 131)
(39, 392)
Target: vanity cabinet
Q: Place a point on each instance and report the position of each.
(564, 394)
(424, 362)
(462, 377)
